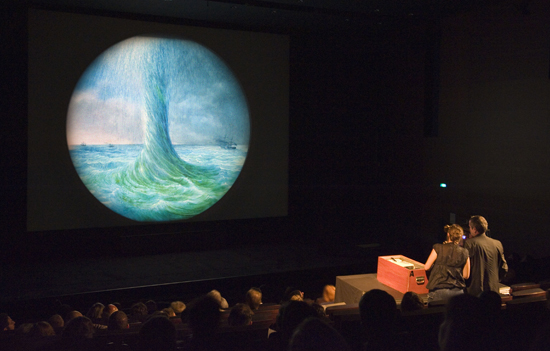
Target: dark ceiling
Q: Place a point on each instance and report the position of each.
(278, 15)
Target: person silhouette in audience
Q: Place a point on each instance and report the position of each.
(178, 307)
(291, 314)
(169, 312)
(41, 329)
(71, 315)
(77, 335)
(378, 313)
(411, 302)
(466, 326)
(216, 295)
(118, 320)
(95, 314)
(40, 335)
(314, 334)
(107, 312)
(6, 323)
(329, 292)
(57, 322)
(449, 265)
(240, 315)
(292, 294)
(157, 334)
(151, 306)
(253, 298)
(139, 313)
(204, 320)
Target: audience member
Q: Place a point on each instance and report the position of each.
(240, 315)
(95, 314)
(56, 321)
(6, 323)
(77, 336)
(169, 312)
(204, 320)
(466, 326)
(319, 309)
(107, 311)
(313, 334)
(23, 329)
(79, 328)
(450, 266)
(378, 312)
(41, 329)
(62, 309)
(492, 302)
(158, 333)
(118, 320)
(178, 307)
(329, 292)
(72, 315)
(291, 314)
(253, 298)
(411, 302)
(488, 265)
(292, 294)
(151, 306)
(215, 294)
(139, 313)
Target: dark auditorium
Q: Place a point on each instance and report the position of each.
(278, 175)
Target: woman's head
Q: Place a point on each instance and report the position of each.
(455, 232)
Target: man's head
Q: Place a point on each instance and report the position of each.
(254, 298)
(108, 311)
(178, 307)
(216, 295)
(378, 311)
(72, 315)
(478, 225)
(240, 315)
(118, 320)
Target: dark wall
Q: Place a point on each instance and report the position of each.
(494, 114)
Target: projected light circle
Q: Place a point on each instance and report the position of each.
(158, 128)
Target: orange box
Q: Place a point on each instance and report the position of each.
(402, 274)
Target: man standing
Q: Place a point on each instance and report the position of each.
(488, 265)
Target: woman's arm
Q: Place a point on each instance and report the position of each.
(466, 269)
(431, 260)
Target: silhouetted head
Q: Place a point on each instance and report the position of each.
(79, 328)
(378, 311)
(240, 315)
(158, 333)
(204, 316)
(411, 302)
(313, 334)
(118, 320)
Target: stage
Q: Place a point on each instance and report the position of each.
(350, 289)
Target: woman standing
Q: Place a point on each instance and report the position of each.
(450, 266)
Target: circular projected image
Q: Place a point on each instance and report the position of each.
(158, 128)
